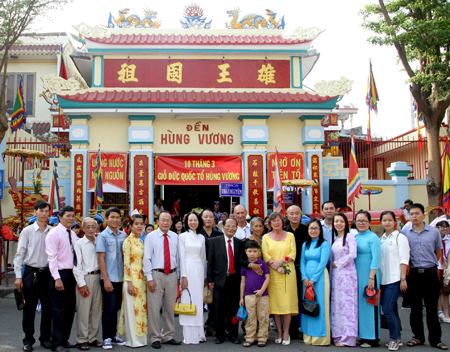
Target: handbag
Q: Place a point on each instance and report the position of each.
(185, 308)
(309, 294)
(207, 295)
(310, 307)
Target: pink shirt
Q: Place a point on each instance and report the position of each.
(59, 252)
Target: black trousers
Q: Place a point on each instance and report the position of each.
(112, 302)
(63, 308)
(293, 328)
(226, 305)
(424, 287)
(35, 288)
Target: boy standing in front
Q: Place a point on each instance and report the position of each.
(254, 288)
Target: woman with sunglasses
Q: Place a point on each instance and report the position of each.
(344, 288)
(313, 266)
(367, 262)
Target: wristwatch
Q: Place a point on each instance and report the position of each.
(403, 278)
(248, 266)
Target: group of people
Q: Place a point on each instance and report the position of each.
(143, 273)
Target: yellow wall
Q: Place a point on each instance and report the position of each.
(111, 133)
(285, 134)
(418, 194)
(385, 200)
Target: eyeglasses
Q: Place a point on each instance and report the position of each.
(314, 229)
(90, 227)
(165, 221)
(362, 221)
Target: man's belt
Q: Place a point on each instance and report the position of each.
(36, 270)
(162, 270)
(93, 272)
(424, 270)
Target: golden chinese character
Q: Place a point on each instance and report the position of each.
(141, 183)
(256, 202)
(314, 167)
(255, 192)
(79, 183)
(255, 211)
(140, 211)
(255, 173)
(141, 173)
(316, 199)
(141, 162)
(78, 207)
(78, 198)
(141, 201)
(126, 74)
(255, 163)
(78, 175)
(255, 182)
(78, 190)
(78, 160)
(267, 74)
(224, 74)
(79, 168)
(141, 192)
(175, 72)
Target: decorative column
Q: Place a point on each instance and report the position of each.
(399, 172)
(140, 138)
(254, 138)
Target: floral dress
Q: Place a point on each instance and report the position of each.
(133, 255)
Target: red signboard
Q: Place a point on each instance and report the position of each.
(78, 184)
(197, 170)
(197, 73)
(141, 200)
(114, 169)
(292, 167)
(255, 185)
(315, 190)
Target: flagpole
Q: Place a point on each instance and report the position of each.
(368, 127)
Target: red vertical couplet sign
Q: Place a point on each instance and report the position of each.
(141, 201)
(255, 185)
(315, 190)
(78, 184)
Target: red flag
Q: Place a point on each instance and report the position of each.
(62, 65)
(62, 121)
(278, 196)
(354, 181)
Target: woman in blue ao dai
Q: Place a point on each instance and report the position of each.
(344, 284)
(314, 259)
(367, 262)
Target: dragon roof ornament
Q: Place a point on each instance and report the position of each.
(308, 33)
(334, 87)
(57, 85)
(124, 20)
(254, 21)
(91, 32)
(193, 15)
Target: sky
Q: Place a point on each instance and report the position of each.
(343, 47)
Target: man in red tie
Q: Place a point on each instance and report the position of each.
(161, 267)
(224, 279)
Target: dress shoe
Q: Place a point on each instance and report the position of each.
(61, 349)
(156, 344)
(67, 344)
(236, 341)
(47, 345)
(27, 348)
(219, 341)
(173, 342)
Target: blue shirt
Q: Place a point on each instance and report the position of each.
(327, 232)
(423, 245)
(111, 245)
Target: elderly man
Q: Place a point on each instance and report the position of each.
(300, 232)
(34, 279)
(161, 267)
(224, 278)
(243, 228)
(423, 282)
(89, 295)
(328, 210)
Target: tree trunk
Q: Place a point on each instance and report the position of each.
(434, 184)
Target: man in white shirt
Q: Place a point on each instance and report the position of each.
(328, 211)
(89, 295)
(243, 230)
(35, 279)
(162, 269)
(158, 207)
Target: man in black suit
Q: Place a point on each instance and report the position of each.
(224, 278)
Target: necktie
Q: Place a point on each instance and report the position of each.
(166, 255)
(73, 250)
(230, 259)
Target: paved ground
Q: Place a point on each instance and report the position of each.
(11, 336)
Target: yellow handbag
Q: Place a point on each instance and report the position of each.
(185, 308)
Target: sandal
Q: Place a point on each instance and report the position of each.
(441, 346)
(414, 342)
(338, 344)
(83, 346)
(95, 343)
(262, 344)
(278, 341)
(247, 344)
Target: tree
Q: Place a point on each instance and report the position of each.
(16, 16)
(420, 32)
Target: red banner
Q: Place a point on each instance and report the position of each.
(255, 184)
(141, 200)
(315, 190)
(197, 73)
(114, 169)
(292, 167)
(78, 184)
(201, 170)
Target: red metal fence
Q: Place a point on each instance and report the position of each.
(377, 156)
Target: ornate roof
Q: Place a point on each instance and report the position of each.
(31, 49)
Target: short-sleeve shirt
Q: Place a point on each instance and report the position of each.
(111, 245)
(253, 281)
